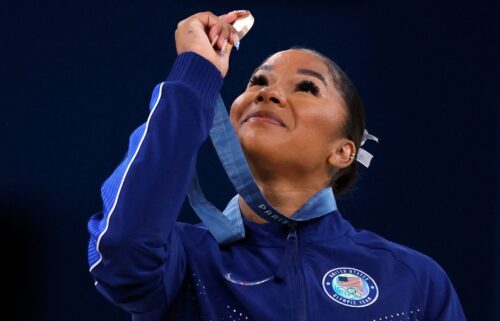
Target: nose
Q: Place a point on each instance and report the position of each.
(270, 95)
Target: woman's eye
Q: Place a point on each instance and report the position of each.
(308, 86)
(258, 81)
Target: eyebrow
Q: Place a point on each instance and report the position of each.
(301, 71)
(263, 67)
(313, 73)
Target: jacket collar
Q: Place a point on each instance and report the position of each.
(326, 228)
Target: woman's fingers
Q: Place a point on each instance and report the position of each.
(213, 34)
(230, 18)
(221, 34)
(235, 40)
(210, 36)
(224, 33)
(207, 18)
(220, 30)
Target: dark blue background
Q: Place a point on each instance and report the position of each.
(77, 78)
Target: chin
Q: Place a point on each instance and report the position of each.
(261, 145)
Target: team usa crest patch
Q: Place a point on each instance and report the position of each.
(350, 287)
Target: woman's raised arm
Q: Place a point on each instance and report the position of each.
(135, 258)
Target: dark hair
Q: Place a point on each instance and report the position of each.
(354, 122)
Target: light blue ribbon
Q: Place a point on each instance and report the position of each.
(227, 226)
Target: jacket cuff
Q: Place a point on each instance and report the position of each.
(197, 73)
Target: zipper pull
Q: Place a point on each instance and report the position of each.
(292, 234)
(288, 254)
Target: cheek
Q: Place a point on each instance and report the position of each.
(321, 124)
(237, 108)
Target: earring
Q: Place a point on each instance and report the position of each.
(351, 157)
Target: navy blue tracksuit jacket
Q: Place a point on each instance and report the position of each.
(158, 269)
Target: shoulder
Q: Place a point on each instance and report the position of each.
(420, 265)
(193, 234)
(439, 298)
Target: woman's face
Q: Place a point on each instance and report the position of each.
(290, 114)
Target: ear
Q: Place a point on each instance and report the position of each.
(342, 155)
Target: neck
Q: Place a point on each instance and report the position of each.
(285, 197)
(287, 186)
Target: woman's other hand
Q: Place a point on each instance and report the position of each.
(210, 36)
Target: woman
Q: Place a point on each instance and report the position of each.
(300, 124)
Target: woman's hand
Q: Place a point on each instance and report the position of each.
(210, 36)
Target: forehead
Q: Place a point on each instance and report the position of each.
(291, 60)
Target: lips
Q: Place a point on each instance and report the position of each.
(265, 116)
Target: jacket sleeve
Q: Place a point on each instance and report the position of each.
(441, 302)
(135, 256)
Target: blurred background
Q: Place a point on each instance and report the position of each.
(77, 76)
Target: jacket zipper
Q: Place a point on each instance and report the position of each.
(292, 237)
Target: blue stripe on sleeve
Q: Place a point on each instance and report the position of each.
(110, 190)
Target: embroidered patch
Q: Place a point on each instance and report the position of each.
(350, 287)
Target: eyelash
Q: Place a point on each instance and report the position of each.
(305, 85)
(308, 86)
(258, 81)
